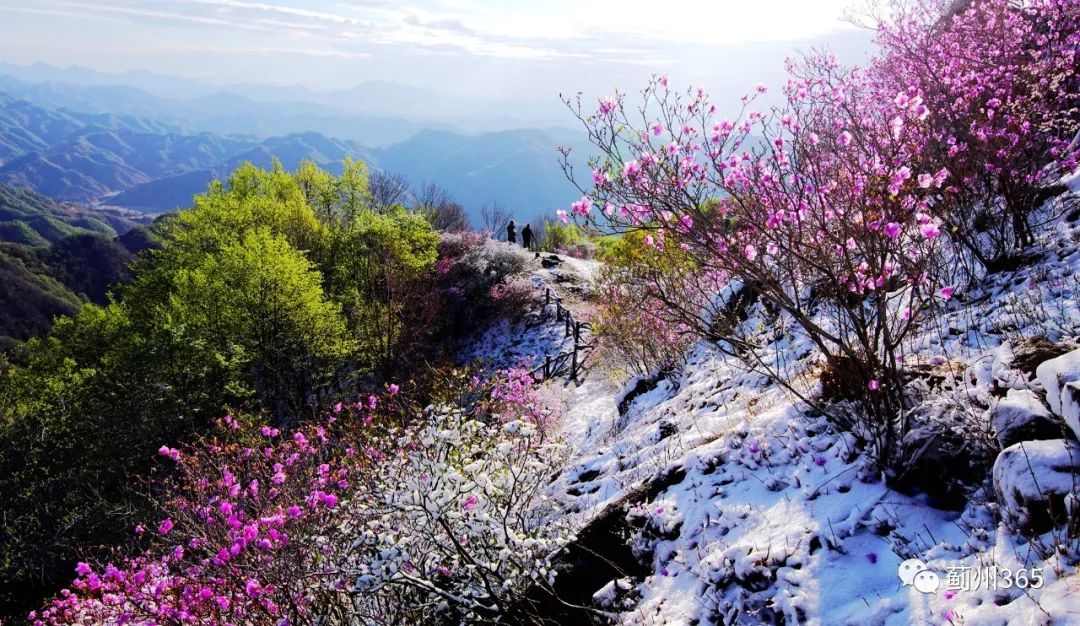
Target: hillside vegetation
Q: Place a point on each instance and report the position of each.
(54, 257)
(830, 372)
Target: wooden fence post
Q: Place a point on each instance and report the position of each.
(547, 366)
(573, 365)
(547, 297)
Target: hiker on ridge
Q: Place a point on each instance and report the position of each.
(526, 236)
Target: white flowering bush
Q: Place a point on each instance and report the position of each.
(462, 528)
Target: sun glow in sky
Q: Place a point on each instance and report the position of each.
(488, 48)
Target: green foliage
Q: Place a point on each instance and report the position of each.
(382, 275)
(29, 300)
(52, 258)
(273, 291)
(559, 236)
(31, 219)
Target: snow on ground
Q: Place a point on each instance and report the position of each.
(525, 342)
(769, 515)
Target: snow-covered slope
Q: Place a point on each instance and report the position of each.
(745, 507)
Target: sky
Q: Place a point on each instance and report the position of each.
(503, 50)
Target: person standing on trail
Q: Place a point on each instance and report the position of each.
(511, 232)
(526, 236)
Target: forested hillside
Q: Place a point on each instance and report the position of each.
(55, 257)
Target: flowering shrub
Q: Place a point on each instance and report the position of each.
(633, 321)
(480, 279)
(513, 297)
(826, 218)
(513, 394)
(249, 525)
(462, 529)
(1000, 78)
(343, 520)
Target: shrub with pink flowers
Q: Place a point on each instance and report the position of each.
(837, 210)
(513, 297)
(1001, 88)
(823, 216)
(634, 321)
(250, 521)
(480, 279)
(352, 518)
(514, 394)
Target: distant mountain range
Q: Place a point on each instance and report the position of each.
(386, 103)
(94, 145)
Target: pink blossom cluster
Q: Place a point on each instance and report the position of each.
(1002, 82)
(248, 522)
(514, 394)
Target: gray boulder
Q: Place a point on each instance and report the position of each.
(1021, 416)
(1061, 379)
(1038, 485)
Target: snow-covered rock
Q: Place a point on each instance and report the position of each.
(1037, 485)
(1061, 379)
(1020, 416)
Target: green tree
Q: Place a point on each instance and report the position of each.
(261, 297)
(383, 277)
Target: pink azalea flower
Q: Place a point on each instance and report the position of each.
(947, 292)
(165, 526)
(172, 453)
(582, 207)
(874, 385)
(470, 503)
(252, 587)
(892, 230)
(563, 216)
(393, 389)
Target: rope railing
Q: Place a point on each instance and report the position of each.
(573, 361)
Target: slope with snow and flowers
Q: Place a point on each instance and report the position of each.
(524, 342)
(761, 512)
